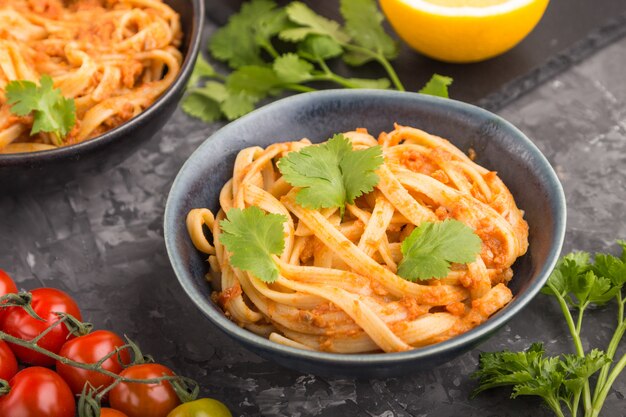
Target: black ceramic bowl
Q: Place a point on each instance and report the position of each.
(498, 144)
(37, 169)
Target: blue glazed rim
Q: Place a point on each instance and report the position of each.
(449, 347)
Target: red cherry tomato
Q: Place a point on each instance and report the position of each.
(8, 363)
(144, 400)
(7, 286)
(45, 302)
(109, 412)
(90, 349)
(37, 392)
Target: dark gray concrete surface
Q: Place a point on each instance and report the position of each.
(100, 239)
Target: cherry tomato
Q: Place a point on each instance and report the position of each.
(8, 363)
(90, 349)
(37, 392)
(204, 407)
(144, 400)
(45, 302)
(7, 286)
(109, 412)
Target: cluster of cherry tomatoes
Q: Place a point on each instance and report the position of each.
(38, 391)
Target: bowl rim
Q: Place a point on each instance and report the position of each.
(198, 17)
(448, 347)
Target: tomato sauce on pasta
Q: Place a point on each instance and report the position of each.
(113, 57)
(338, 288)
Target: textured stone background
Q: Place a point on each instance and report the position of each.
(100, 239)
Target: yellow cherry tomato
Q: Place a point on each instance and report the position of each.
(204, 407)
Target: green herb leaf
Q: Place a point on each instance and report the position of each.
(331, 174)
(239, 42)
(356, 58)
(291, 69)
(252, 237)
(364, 25)
(431, 247)
(379, 84)
(51, 111)
(565, 274)
(437, 86)
(610, 267)
(316, 47)
(201, 107)
(254, 80)
(204, 103)
(311, 23)
(202, 69)
(580, 283)
(238, 104)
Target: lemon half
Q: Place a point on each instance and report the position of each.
(463, 30)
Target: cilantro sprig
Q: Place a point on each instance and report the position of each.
(273, 49)
(252, 237)
(331, 174)
(51, 111)
(565, 382)
(430, 248)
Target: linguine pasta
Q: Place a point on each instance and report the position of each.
(338, 288)
(113, 57)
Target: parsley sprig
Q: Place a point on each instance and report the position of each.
(273, 49)
(51, 111)
(562, 381)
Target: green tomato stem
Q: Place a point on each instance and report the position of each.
(5, 388)
(96, 367)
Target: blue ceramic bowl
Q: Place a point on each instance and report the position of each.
(39, 170)
(498, 144)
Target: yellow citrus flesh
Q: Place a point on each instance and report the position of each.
(463, 30)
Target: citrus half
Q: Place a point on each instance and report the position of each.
(463, 30)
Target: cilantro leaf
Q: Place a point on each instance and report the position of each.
(201, 107)
(357, 58)
(239, 42)
(428, 251)
(379, 84)
(331, 174)
(256, 81)
(311, 23)
(252, 237)
(238, 104)
(51, 111)
(437, 86)
(364, 25)
(204, 103)
(202, 69)
(291, 69)
(316, 47)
